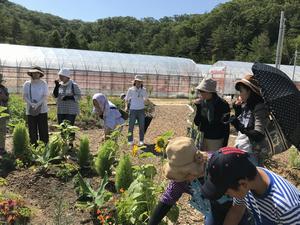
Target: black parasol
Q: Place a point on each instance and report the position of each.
(283, 99)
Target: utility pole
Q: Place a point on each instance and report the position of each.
(295, 62)
(280, 40)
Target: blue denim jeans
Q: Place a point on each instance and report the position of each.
(138, 115)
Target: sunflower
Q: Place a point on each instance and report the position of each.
(135, 149)
(159, 144)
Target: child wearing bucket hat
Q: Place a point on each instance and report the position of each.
(270, 198)
(136, 97)
(251, 120)
(35, 93)
(186, 169)
(211, 109)
(4, 96)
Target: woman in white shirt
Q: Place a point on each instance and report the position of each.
(135, 98)
(108, 112)
(35, 93)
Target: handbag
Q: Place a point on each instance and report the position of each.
(275, 137)
(34, 111)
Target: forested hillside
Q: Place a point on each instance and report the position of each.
(243, 30)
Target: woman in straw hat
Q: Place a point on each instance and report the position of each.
(252, 120)
(186, 170)
(211, 109)
(136, 97)
(35, 93)
(4, 95)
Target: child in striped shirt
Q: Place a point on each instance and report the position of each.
(271, 199)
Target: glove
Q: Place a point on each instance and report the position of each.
(65, 98)
(236, 123)
(55, 91)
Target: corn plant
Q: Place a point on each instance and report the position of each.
(88, 197)
(124, 175)
(21, 146)
(105, 157)
(84, 152)
(42, 155)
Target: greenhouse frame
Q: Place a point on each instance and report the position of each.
(95, 71)
(113, 73)
(227, 72)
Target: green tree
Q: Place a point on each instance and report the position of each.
(54, 39)
(260, 49)
(70, 41)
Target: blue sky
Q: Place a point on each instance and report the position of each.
(91, 10)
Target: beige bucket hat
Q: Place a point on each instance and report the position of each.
(183, 159)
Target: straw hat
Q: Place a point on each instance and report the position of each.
(36, 69)
(207, 85)
(250, 82)
(183, 159)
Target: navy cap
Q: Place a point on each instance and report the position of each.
(225, 167)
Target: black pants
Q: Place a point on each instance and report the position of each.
(38, 128)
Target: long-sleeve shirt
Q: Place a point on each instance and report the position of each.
(70, 107)
(36, 91)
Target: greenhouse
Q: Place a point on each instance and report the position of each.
(227, 72)
(106, 72)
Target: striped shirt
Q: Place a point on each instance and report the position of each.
(280, 204)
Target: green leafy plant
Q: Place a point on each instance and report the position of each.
(42, 155)
(16, 106)
(21, 146)
(3, 112)
(124, 175)
(105, 157)
(3, 182)
(57, 146)
(294, 158)
(66, 131)
(66, 171)
(137, 203)
(84, 152)
(148, 170)
(88, 197)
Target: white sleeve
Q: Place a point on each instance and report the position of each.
(128, 95)
(26, 92)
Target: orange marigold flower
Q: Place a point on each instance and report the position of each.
(98, 211)
(122, 190)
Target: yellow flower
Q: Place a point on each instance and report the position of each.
(159, 144)
(135, 149)
(158, 149)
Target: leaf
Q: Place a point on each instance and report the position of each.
(85, 186)
(147, 155)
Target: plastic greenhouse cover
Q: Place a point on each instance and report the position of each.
(55, 58)
(237, 69)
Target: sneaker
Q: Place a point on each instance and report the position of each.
(130, 143)
(141, 143)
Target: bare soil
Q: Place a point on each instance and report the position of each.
(44, 193)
